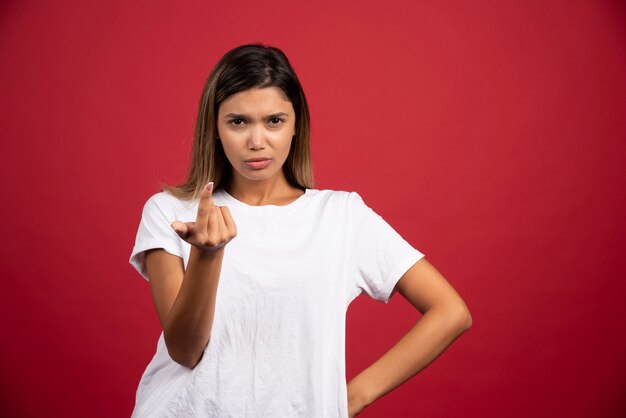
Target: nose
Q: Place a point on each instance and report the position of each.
(256, 140)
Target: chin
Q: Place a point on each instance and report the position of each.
(258, 175)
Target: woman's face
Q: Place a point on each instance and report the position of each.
(256, 127)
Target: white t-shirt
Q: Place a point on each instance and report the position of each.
(277, 346)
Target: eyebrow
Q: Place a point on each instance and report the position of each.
(240, 116)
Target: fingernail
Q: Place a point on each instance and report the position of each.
(209, 186)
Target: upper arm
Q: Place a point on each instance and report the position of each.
(424, 287)
(165, 272)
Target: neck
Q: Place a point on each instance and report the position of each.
(273, 191)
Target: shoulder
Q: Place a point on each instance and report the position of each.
(338, 198)
(167, 203)
(335, 194)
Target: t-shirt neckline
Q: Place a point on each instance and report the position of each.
(231, 201)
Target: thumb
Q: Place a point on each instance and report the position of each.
(180, 228)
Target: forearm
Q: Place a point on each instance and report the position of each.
(188, 326)
(420, 346)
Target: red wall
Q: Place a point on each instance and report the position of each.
(490, 134)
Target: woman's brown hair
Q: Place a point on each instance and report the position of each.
(242, 68)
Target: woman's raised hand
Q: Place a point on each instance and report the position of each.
(214, 226)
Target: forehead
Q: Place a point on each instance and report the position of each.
(266, 99)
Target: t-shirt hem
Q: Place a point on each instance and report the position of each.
(388, 290)
(138, 256)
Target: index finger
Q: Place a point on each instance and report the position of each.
(206, 201)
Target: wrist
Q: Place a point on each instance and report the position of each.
(203, 254)
(358, 396)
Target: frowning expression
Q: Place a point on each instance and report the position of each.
(256, 127)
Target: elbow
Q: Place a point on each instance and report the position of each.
(454, 317)
(467, 323)
(185, 355)
(184, 359)
(464, 318)
(459, 317)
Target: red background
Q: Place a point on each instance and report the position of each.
(490, 134)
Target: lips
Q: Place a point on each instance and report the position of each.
(258, 163)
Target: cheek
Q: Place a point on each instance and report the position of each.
(228, 148)
(286, 146)
(229, 141)
(286, 140)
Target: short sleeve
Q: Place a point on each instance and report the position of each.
(155, 231)
(381, 255)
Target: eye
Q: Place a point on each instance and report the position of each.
(275, 121)
(236, 122)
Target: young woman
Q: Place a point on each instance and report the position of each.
(252, 270)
